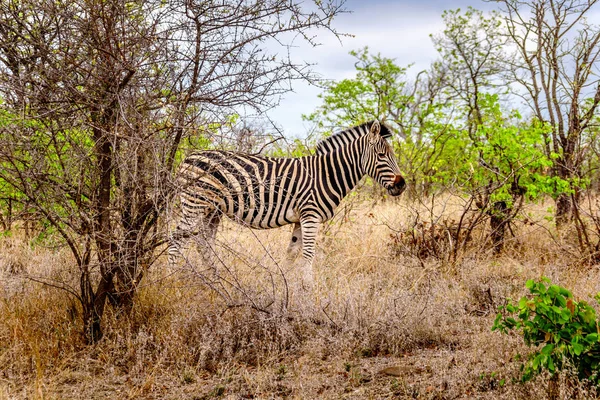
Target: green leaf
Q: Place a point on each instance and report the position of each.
(577, 348)
(551, 367)
(535, 364)
(523, 303)
(561, 300)
(541, 288)
(591, 338)
(547, 349)
(530, 284)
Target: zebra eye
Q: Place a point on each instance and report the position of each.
(381, 154)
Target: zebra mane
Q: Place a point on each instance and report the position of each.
(346, 136)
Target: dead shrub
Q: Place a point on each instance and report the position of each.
(369, 309)
(442, 239)
(240, 335)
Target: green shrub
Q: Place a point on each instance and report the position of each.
(563, 331)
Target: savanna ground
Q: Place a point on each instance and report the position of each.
(386, 319)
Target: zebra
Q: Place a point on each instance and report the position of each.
(267, 192)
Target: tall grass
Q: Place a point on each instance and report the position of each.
(384, 319)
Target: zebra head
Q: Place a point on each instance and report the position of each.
(379, 162)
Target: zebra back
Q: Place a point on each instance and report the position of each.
(347, 136)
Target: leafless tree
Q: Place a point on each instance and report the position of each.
(472, 51)
(556, 66)
(100, 97)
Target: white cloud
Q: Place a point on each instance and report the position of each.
(397, 29)
(394, 31)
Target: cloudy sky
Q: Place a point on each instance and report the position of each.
(396, 29)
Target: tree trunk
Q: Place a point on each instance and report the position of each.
(9, 216)
(124, 290)
(498, 221)
(563, 209)
(94, 310)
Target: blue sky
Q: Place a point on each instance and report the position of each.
(396, 29)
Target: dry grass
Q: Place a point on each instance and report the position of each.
(380, 323)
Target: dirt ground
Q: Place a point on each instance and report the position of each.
(384, 320)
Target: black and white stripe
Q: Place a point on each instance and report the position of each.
(266, 192)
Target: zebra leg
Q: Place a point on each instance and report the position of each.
(179, 238)
(200, 223)
(309, 227)
(296, 242)
(206, 242)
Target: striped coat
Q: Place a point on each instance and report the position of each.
(266, 192)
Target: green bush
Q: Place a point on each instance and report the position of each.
(563, 331)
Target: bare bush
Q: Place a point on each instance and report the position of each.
(379, 326)
(100, 100)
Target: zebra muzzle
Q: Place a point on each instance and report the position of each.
(398, 186)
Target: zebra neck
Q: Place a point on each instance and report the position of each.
(343, 168)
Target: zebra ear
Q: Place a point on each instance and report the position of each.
(375, 130)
